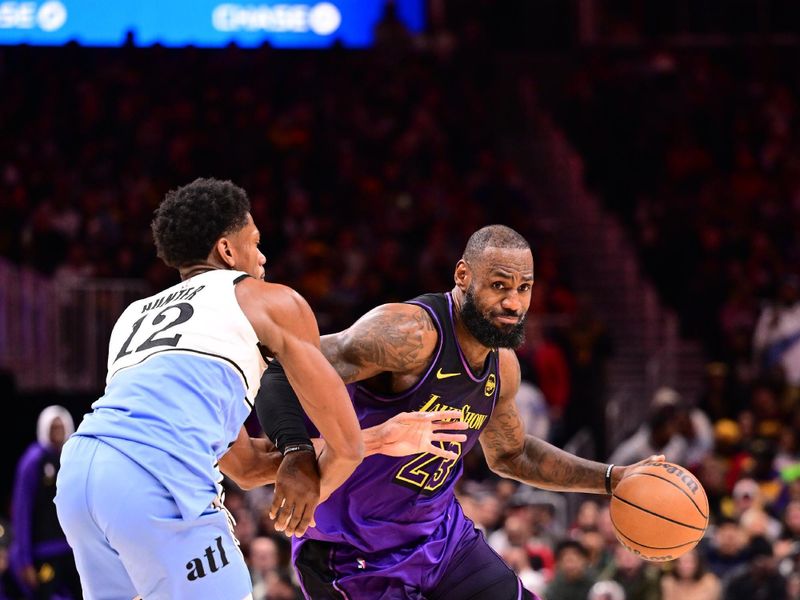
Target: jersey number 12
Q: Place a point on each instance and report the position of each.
(185, 313)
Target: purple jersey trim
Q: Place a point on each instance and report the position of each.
(422, 379)
(335, 582)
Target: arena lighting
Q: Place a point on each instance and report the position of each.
(202, 23)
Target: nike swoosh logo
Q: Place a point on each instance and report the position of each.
(440, 375)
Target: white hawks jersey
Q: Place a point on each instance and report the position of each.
(184, 367)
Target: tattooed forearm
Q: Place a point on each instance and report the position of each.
(503, 439)
(549, 467)
(543, 465)
(525, 458)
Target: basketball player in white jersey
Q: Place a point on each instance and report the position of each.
(139, 486)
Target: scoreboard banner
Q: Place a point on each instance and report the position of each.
(202, 23)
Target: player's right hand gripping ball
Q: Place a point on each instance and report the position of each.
(659, 511)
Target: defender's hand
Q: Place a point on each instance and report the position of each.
(417, 432)
(296, 493)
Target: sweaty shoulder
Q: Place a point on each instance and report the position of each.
(398, 338)
(273, 309)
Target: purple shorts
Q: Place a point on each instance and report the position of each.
(452, 568)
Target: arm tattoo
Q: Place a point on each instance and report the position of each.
(384, 342)
(525, 458)
(504, 434)
(546, 466)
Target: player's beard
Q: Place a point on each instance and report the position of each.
(484, 331)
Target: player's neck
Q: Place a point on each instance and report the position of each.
(196, 269)
(211, 263)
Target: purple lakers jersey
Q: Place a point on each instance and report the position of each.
(390, 503)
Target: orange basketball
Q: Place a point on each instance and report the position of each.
(659, 511)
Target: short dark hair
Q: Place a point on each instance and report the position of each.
(493, 236)
(570, 544)
(191, 218)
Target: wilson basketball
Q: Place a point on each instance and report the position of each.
(659, 511)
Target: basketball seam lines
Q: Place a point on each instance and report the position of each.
(633, 541)
(677, 486)
(658, 515)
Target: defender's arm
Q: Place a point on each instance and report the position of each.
(286, 326)
(250, 462)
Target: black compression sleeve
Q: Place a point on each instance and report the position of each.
(279, 410)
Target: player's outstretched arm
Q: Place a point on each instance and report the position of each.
(409, 433)
(404, 434)
(511, 453)
(286, 326)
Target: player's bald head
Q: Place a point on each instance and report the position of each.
(493, 236)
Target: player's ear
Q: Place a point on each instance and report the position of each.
(462, 275)
(226, 252)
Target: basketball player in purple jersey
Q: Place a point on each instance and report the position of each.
(394, 529)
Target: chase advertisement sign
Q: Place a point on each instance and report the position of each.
(202, 23)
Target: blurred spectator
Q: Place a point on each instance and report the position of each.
(787, 548)
(590, 529)
(489, 513)
(659, 435)
(543, 362)
(638, 578)
(722, 396)
(589, 347)
(777, 333)
(712, 474)
(517, 530)
(793, 585)
(266, 572)
(690, 579)
(728, 548)
(759, 578)
(587, 517)
(246, 528)
(765, 402)
(518, 559)
(280, 586)
(692, 424)
(8, 586)
(790, 532)
(727, 437)
(606, 590)
(600, 554)
(761, 468)
(572, 580)
(533, 410)
(788, 446)
(749, 509)
(756, 522)
(39, 554)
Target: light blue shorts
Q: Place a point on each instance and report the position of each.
(129, 537)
